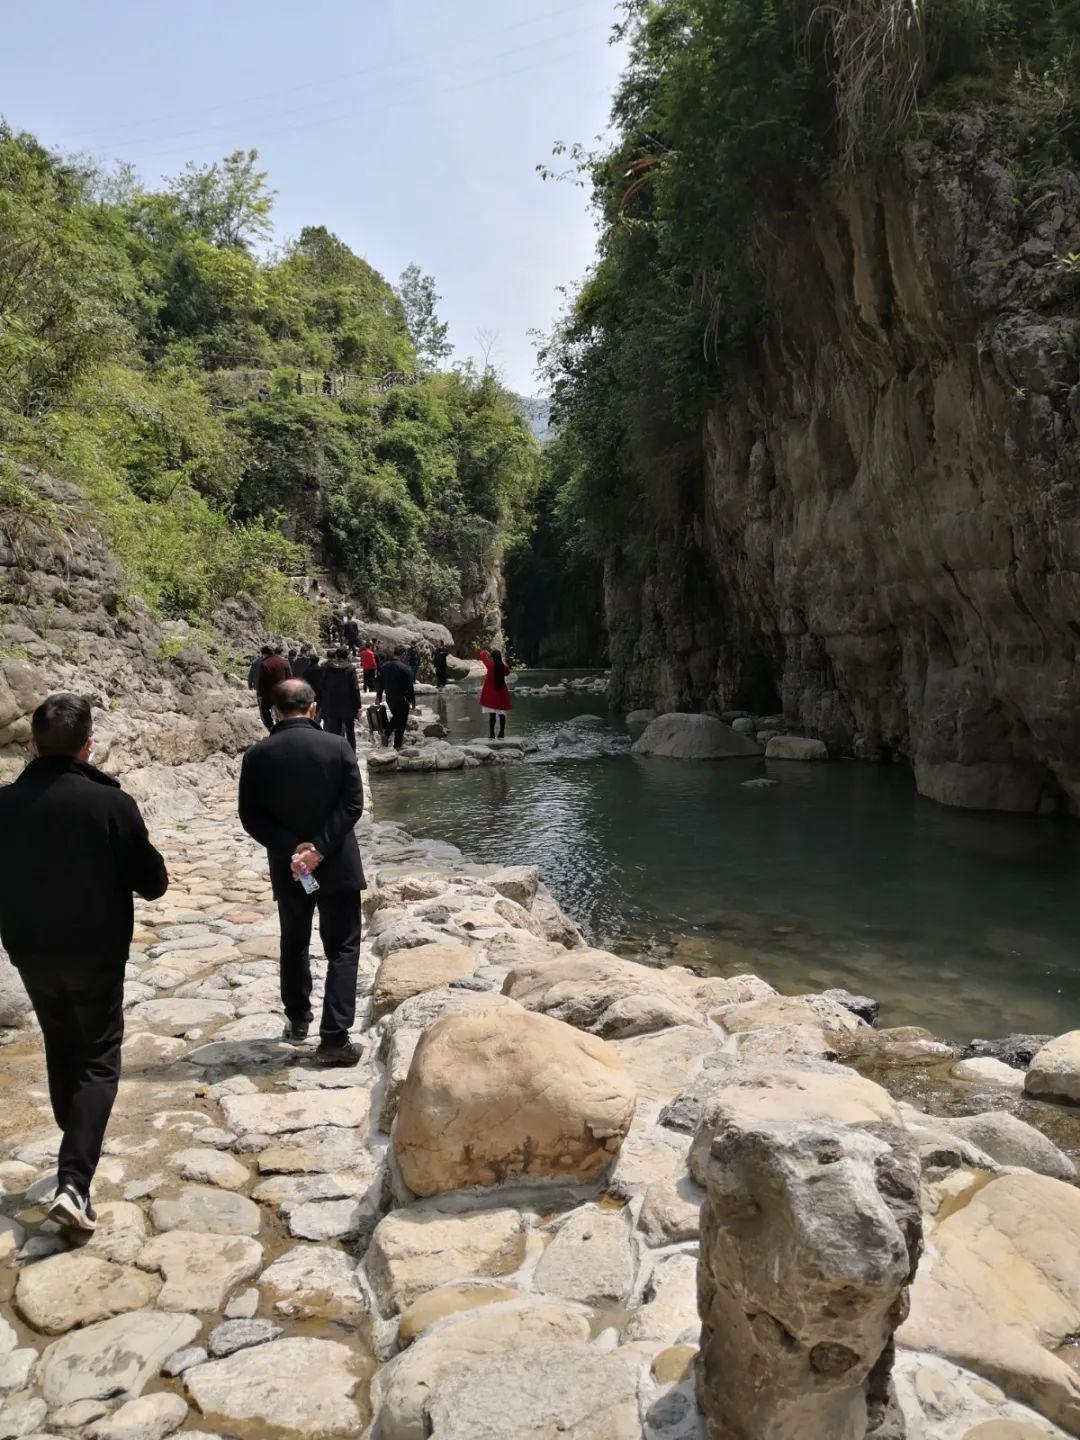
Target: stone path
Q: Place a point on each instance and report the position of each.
(271, 1263)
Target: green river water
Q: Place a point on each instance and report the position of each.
(839, 875)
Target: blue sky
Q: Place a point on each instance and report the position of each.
(411, 130)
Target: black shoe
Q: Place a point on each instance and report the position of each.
(71, 1210)
(294, 1033)
(342, 1055)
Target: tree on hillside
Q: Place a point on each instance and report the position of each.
(229, 202)
(416, 292)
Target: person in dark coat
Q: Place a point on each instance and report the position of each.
(350, 633)
(273, 670)
(339, 696)
(412, 659)
(300, 797)
(302, 664)
(256, 666)
(440, 665)
(396, 683)
(73, 848)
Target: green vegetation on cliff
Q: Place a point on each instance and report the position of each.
(151, 355)
(729, 116)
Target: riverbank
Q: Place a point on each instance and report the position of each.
(287, 1251)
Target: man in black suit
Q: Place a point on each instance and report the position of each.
(73, 847)
(300, 797)
(396, 683)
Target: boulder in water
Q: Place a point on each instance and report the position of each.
(795, 747)
(693, 737)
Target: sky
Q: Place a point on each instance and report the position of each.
(411, 130)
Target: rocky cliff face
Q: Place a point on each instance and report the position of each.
(65, 624)
(881, 527)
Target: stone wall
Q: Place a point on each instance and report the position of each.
(879, 529)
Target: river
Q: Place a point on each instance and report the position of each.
(839, 875)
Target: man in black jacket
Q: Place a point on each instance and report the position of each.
(300, 797)
(339, 696)
(73, 847)
(396, 683)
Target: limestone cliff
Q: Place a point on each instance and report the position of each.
(879, 528)
(66, 624)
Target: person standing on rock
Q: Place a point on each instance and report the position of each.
(440, 665)
(495, 698)
(339, 696)
(396, 683)
(73, 848)
(412, 659)
(300, 798)
(273, 670)
(369, 665)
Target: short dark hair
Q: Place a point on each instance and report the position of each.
(341, 653)
(267, 650)
(399, 650)
(293, 697)
(61, 725)
(279, 650)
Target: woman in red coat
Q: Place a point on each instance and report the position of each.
(495, 696)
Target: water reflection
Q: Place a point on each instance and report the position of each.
(840, 875)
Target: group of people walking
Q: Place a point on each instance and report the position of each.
(300, 796)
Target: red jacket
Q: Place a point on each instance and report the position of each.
(273, 670)
(494, 696)
(367, 659)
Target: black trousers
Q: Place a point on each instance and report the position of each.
(266, 710)
(339, 725)
(369, 678)
(501, 717)
(339, 924)
(399, 716)
(79, 1004)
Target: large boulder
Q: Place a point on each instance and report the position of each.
(504, 1094)
(404, 1026)
(693, 737)
(1054, 1073)
(809, 1238)
(999, 1292)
